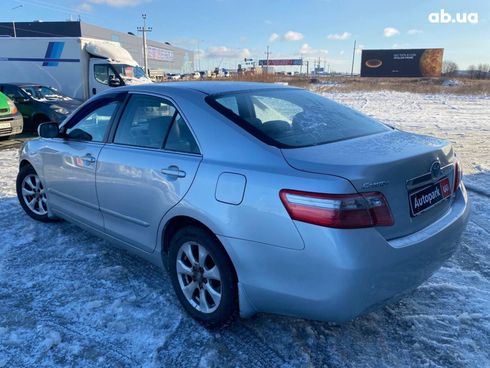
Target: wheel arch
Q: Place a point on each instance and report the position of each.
(33, 161)
(245, 305)
(180, 221)
(24, 163)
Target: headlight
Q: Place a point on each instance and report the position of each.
(59, 109)
(13, 108)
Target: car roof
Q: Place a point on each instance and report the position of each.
(214, 87)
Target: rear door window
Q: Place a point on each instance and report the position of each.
(180, 137)
(145, 122)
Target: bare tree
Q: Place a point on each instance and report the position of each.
(472, 72)
(449, 68)
(483, 71)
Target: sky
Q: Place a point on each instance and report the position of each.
(223, 32)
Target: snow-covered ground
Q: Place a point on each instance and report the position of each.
(464, 120)
(68, 299)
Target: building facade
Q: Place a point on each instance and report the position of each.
(162, 56)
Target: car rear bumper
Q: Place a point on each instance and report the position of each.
(15, 125)
(341, 274)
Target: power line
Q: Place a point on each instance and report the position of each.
(60, 8)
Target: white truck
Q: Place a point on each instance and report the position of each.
(78, 67)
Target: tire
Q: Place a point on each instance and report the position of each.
(29, 181)
(201, 277)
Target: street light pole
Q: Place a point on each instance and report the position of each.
(267, 62)
(13, 22)
(144, 30)
(199, 54)
(353, 57)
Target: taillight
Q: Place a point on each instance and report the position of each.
(344, 211)
(458, 173)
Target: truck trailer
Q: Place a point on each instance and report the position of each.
(78, 67)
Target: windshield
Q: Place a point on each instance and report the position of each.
(43, 93)
(129, 71)
(289, 118)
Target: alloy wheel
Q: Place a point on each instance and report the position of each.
(199, 277)
(34, 195)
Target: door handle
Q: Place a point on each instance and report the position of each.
(173, 171)
(88, 158)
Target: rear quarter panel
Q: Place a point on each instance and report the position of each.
(227, 148)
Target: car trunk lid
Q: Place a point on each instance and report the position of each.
(394, 163)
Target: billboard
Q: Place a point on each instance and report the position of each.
(281, 62)
(402, 63)
(157, 53)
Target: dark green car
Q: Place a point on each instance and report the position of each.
(39, 104)
(11, 121)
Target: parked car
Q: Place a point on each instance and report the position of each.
(171, 76)
(11, 121)
(39, 104)
(257, 197)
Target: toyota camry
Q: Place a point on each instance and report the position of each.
(254, 197)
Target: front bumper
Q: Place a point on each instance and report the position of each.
(341, 274)
(14, 125)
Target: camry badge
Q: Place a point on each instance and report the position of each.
(375, 184)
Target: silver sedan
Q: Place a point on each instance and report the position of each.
(256, 197)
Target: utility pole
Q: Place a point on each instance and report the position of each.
(198, 57)
(353, 57)
(267, 62)
(144, 30)
(307, 67)
(13, 22)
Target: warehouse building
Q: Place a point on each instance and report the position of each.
(162, 56)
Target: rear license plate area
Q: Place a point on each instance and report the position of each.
(423, 199)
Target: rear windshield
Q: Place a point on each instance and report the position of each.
(290, 118)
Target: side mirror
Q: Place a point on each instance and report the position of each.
(114, 82)
(48, 130)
